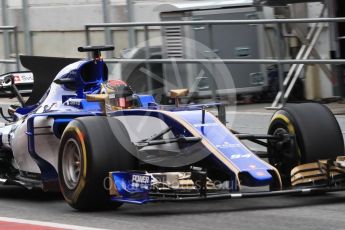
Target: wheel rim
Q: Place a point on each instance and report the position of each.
(71, 164)
(281, 158)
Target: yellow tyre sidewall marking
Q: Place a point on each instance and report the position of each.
(82, 181)
(290, 127)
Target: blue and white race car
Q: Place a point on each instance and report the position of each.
(101, 145)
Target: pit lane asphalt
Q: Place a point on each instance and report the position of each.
(293, 212)
(287, 212)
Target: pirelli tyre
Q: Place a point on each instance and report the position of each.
(316, 135)
(90, 148)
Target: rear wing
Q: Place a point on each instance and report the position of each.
(20, 78)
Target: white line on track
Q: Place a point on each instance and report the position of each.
(47, 224)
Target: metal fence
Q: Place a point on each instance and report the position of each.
(279, 61)
(5, 30)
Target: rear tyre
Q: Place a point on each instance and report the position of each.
(317, 136)
(90, 148)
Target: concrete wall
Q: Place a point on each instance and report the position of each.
(58, 26)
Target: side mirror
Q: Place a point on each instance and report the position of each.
(101, 98)
(12, 109)
(177, 93)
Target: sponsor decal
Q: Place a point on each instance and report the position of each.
(240, 156)
(252, 166)
(260, 174)
(206, 125)
(140, 181)
(74, 102)
(131, 185)
(227, 145)
(17, 78)
(27, 78)
(22, 78)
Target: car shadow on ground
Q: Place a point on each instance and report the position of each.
(228, 206)
(181, 208)
(20, 193)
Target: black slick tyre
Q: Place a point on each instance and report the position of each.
(317, 137)
(90, 148)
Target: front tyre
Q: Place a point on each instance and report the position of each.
(90, 148)
(316, 132)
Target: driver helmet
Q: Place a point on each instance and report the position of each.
(120, 94)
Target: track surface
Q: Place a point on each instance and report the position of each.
(288, 212)
(308, 212)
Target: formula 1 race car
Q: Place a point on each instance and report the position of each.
(101, 145)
